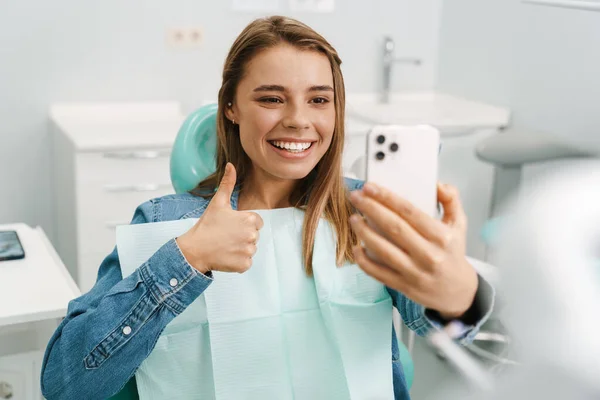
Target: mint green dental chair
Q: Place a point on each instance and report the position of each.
(192, 160)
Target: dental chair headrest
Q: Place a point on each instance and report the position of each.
(193, 153)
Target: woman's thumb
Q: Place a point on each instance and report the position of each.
(223, 196)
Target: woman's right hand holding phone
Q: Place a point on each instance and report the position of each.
(223, 239)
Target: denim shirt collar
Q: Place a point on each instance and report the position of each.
(197, 212)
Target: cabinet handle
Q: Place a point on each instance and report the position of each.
(146, 187)
(6, 390)
(138, 155)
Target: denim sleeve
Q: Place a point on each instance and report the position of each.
(422, 320)
(110, 330)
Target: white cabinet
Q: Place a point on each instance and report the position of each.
(18, 377)
(108, 159)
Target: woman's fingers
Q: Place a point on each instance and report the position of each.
(392, 226)
(381, 249)
(383, 274)
(253, 219)
(426, 225)
(429, 265)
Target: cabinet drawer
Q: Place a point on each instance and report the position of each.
(102, 203)
(135, 167)
(100, 212)
(16, 378)
(13, 385)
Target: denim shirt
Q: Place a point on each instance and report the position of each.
(109, 331)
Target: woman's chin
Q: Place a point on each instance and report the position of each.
(292, 172)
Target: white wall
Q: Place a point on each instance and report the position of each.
(540, 61)
(69, 50)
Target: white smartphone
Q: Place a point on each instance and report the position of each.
(404, 159)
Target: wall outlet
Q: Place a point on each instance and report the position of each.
(317, 6)
(184, 38)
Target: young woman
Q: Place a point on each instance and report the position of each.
(280, 134)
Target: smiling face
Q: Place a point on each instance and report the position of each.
(285, 109)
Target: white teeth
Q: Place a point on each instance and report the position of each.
(292, 146)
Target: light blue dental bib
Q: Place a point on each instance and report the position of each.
(272, 332)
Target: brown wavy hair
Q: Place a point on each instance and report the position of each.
(322, 193)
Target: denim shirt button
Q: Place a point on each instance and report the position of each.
(173, 282)
(127, 330)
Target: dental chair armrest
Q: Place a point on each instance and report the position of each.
(515, 148)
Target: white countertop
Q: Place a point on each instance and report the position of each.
(37, 287)
(106, 126)
(452, 115)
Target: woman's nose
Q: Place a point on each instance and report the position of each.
(296, 118)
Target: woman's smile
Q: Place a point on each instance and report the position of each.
(292, 149)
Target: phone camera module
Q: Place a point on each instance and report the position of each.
(380, 155)
(394, 147)
(381, 139)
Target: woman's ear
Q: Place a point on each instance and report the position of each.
(229, 112)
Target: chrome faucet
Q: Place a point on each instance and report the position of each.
(389, 59)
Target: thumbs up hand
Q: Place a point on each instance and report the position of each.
(223, 239)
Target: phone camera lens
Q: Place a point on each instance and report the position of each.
(380, 155)
(381, 139)
(394, 147)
